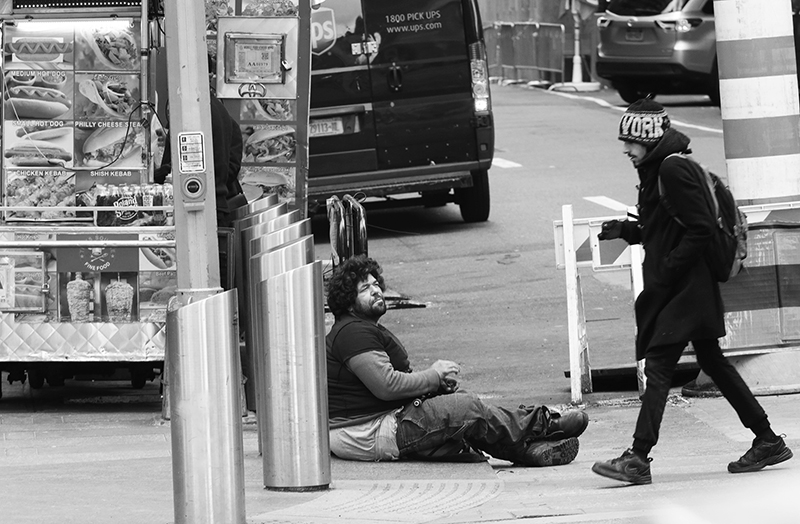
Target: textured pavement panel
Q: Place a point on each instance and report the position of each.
(402, 501)
(86, 464)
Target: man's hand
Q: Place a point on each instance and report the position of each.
(447, 370)
(611, 229)
(446, 367)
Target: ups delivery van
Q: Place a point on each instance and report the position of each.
(400, 103)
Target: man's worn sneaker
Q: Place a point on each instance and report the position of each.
(551, 453)
(629, 467)
(762, 454)
(566, 425)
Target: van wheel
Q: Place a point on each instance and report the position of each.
(629, 93)
(474, 201)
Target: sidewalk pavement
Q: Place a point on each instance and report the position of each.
(103, 456)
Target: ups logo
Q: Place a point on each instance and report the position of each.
(323, 30)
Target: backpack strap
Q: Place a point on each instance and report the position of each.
(710, 183)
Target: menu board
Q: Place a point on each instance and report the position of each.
(71, 113)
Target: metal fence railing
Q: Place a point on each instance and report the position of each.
(525, 51)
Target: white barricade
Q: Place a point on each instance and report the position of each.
(577, 246)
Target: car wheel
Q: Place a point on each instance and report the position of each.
(630, 94)
(474, 201)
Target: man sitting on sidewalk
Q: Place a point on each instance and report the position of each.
(379, 409)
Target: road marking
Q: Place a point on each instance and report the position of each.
(607, 202)
(603, 103)
(505, 164)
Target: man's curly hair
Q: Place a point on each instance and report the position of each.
(343, 285)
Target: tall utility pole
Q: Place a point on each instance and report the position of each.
(761, 124)
(202, 336)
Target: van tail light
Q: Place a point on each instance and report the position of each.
(480, 78)
(682, 25)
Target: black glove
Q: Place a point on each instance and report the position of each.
(611, 229)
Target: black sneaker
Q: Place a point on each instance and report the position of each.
(551, 453)
(629, 467)
(763, 453)
(566, 425)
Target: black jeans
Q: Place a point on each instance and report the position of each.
(660, 363)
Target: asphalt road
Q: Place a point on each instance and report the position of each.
(495, 301)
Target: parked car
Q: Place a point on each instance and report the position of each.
(400, 103)
(658, 47)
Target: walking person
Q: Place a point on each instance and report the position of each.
(379, 409)
(681, 301)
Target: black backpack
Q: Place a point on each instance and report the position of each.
(728, 248)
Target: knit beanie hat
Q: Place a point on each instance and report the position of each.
(644, 122)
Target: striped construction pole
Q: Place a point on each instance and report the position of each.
(759, 99)
(761, 124)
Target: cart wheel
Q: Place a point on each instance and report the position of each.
(139, 377)
(35, 378)
(55, 379)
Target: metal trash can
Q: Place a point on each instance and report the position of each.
(295, 438)
(204, 372)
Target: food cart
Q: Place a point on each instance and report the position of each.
(87, 258)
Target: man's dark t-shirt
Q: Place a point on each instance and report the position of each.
(348, 397)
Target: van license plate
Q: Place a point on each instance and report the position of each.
(634, 35)
(326, 127)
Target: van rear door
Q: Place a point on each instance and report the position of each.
(341, 128)
(421, 82)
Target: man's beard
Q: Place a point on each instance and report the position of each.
(373, 312)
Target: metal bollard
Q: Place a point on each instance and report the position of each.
(278, 237)
(206, 425)
(239, 216)
(277, 260)
(296, 452)
(258, 270)
(248, 229)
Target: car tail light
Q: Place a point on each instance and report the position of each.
(603, 22)
(682, 25)
(480, 78)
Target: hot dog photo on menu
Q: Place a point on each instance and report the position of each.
(158, 258)
(37, 95)
(38, 144)
(26, 48)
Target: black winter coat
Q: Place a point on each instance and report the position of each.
(680, 301)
